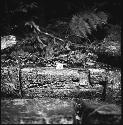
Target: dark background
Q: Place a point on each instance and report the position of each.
(50, 9)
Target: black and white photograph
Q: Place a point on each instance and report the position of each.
(61, 62)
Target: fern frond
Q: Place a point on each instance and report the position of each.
(103, 17)
(87, 27)
(84, 27)
(88, 19)
(91, 22)
(82, 24)
(81, 27)
(74, 25)
(96, 19)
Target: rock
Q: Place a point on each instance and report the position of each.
(97, 75)
(8, 41)
(40, 82)
(93, 112)
(59, 82)
(37, 111)
(9, 81)
(59, 65)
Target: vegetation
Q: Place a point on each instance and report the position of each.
(87, 39)
(84, 23)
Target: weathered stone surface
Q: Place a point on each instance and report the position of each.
(52, 82)
(45, 81)
(9, 81)
(37, 111)
(8, 41)
(58, 111)
(97, 75)
(53, 75)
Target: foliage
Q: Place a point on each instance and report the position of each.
(84, 23)
(9, 81)
(111, 44)
(115, 32)
(19, 54)
(26, 59)
(8, 89)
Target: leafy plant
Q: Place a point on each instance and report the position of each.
(84, 23)
(112, 42)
